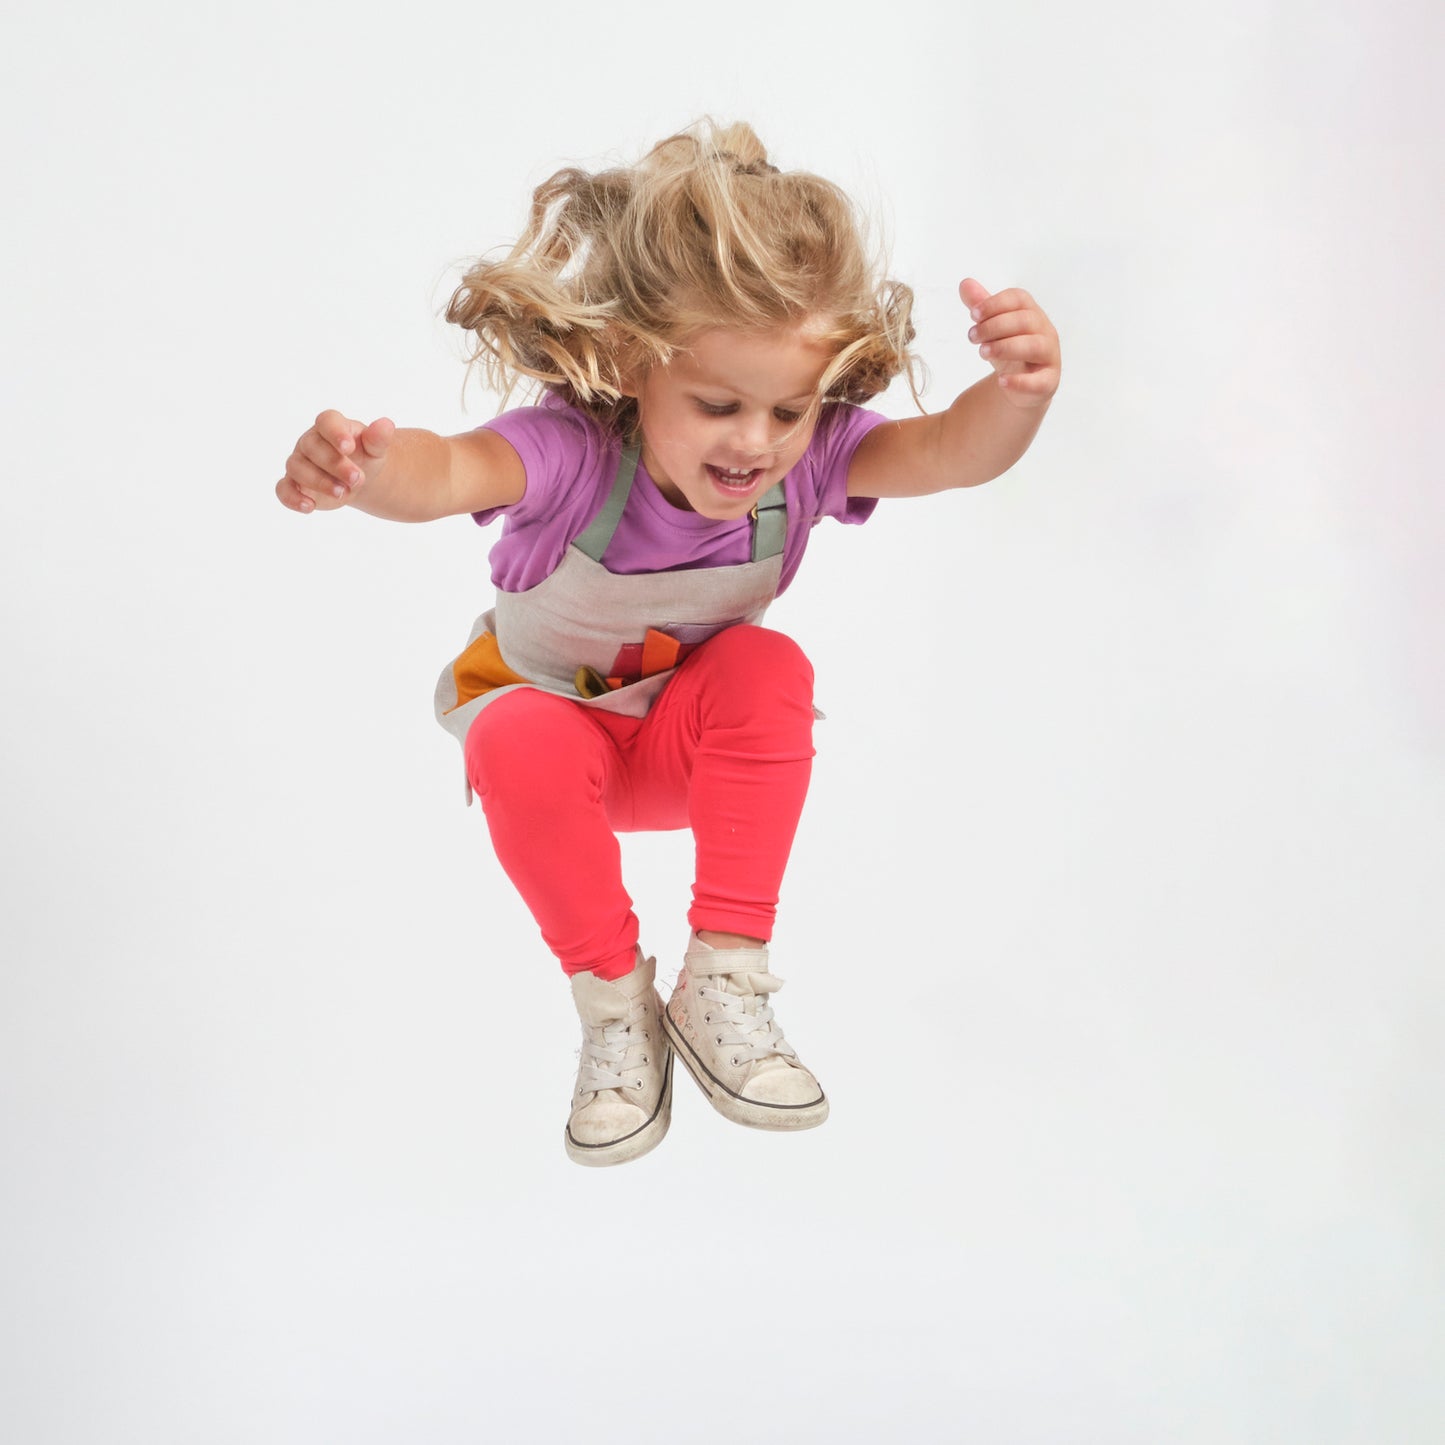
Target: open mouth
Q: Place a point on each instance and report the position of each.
(736, 482)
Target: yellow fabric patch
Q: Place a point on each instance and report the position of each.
(481, 669)
(590, 683)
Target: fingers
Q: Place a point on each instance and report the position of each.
(331, 460)
(343, 448)
(322, 480)
(1017, 340)
(319, 497)
(996, 326)
(1040, 384)
(339, 430)
(321, 464)
(331, 444)
(973, 293)
(1011, 327)
(325, 469)
(290, 495)
(981, 305)
(1030, 348)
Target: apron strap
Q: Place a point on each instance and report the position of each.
(770, 523)
(598, 536)
(769, 515)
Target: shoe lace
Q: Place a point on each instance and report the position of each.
(747, 1020)
(604, 1050)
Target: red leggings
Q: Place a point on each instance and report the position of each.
(726, 750)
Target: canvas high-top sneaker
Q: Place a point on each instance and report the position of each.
(722, 1026)
(623, 1101)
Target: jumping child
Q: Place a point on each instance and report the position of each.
(704, 329)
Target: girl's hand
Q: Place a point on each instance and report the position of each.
(1017, 340)
(332, 460)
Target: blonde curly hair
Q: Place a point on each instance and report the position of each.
(617, 270)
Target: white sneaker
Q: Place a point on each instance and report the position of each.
(622, 1104)
(722, 1026)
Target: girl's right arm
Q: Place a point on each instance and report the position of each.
(405, 475)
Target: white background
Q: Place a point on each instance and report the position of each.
(1114, 926)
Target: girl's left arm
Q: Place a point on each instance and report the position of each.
(989, 427)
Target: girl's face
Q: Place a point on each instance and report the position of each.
(724, 420)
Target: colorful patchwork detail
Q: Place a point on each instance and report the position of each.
(657, 652)
(481, 669)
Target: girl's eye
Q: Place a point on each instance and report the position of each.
(727, 408)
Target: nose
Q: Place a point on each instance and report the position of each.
(755, 433)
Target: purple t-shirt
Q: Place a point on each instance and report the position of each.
(571, 460)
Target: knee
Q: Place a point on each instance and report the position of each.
(751, 677)
(525, 743)
(761, 658)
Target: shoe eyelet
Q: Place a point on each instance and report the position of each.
(719, 1038)
(733, 1061)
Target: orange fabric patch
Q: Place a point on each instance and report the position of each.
(481, 669)
(659, 652)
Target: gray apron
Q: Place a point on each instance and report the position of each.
(602, 639)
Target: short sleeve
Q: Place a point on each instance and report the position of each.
(558, 448)
(823, 484)
(818, 484)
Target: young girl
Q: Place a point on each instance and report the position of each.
(703, 327)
